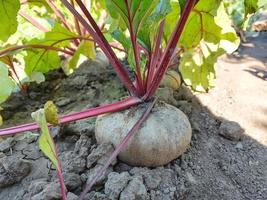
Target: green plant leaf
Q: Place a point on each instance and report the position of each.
(1, 120)
(150, 25)
(86, 50)
(201, 25)
(46, 142)
(171, 20)
(51, 114)
(198, 67)
(143, 14)
(7, 84)
(39, 3)
(8, 18)
(42, 60)
(251, 6)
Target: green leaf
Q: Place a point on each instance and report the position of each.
(229, 41)
(251, 6)
(151, 24)
(39, 3)
(121, 38)
(51, 113)
(86, 50)
(208, 34)
(139, 11)
(198, 67)
(171, 20)
(201, 25)
(7, 84)
(46, 142)
(43, 60)
(1, 120)
(8, 18)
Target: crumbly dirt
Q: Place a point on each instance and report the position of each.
(214, 167)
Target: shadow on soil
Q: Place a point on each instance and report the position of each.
(213, 167)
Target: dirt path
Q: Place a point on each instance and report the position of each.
(241, 89)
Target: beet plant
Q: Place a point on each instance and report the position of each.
(156, 35)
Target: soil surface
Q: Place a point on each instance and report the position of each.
(224, 161)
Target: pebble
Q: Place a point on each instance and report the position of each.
(7, 144)
(239, 145)
(116, 183)
(13, 170)
(231, 130)
(134, 190)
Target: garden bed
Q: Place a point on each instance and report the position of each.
(214, 167)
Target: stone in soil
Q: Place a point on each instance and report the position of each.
(96, 196)
(50, 192)
(83, 127)
(82, 146)
(7, 144)
(155, 179)
(72, 181)
(94, 171)
(134, 190)
(231, 130)
(100, 154)
(63, 101)
(116, 183)
(71, 196)
(36, 186)
(13, 170)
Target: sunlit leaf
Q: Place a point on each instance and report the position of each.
(251, 6)
(51, 113)
(43, 60)
(1, 120)
(6, 83)
(8, 18)
(201, 25)
(198, 67)
(46, 142)
(86, 50)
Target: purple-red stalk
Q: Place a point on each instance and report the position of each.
(155, 55)
(136, 51)
(119, 148)
(33, 21)
(61, 16)
(170, 49)
(77, 25)
(35, 46)
(103, 44)
(113, 107)
(59, 173)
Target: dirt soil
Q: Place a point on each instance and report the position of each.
(224, 161)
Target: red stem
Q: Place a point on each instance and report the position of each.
(12, 67)
(91, 112)
(61, 182)
(61, 16)
(77, 25)
(119, 148)
(33, 21)
(135, 50)
(155, 55)
(59, 173)
(170, 49)
(102, 42)
(30, 46)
